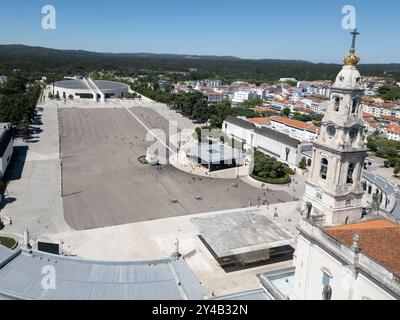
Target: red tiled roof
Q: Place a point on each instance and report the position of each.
(387, 105)
(264, 109)
(390, 118)
(307, 110)
(259, 120)
(213, 93)
(314, 129)
(292, 123)
(393, 128)
(379, 240)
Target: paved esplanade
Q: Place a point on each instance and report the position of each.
(104, 184)
(35, 180)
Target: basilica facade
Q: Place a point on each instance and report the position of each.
(340, 253)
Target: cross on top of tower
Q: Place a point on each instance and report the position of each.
(355, 34)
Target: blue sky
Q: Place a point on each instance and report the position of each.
(290, 29)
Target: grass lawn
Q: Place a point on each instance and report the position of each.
(8, 242)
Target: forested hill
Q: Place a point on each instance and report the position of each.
(38, 60)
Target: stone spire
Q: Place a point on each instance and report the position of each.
(334, 192)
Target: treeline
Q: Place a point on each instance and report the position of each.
(37, 61)
(18, 103)
(152, 92)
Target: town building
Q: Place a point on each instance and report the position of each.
(303, 131)
(319, 88)
(377, 110)
(214, 97)
(371, 125)
(260, 122)
(240, 96)
(392, 132)
(316, 104)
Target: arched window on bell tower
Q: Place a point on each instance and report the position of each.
(324, 168)
(350, 173)
(354, 107)
(337, 103)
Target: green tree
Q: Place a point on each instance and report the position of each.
(198, 133)
(303, 163)
(389, 92)
(269, 169)
(286, 112)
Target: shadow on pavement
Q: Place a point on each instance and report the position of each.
(16, 166)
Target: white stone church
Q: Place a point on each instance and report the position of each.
(341, 254)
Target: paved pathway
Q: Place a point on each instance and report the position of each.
(34, 189)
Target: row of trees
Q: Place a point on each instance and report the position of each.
(18, 103)
(191, 105)
(149, 87)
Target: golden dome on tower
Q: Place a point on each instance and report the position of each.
(351, 59)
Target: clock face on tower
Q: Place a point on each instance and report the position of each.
(331, 130)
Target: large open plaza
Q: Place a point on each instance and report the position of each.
(104, 184)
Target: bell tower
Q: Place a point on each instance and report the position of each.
(334, 192)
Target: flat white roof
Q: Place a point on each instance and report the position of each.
(213, 153)
(240, 232)
(80, 84)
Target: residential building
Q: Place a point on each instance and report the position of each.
(260, 122)
(377, 110)
(241, 96)
(319, 88)
(214, 97)
(301, 130)
(390, 120)
(371, 125)
(303, 110)
(392, 132)
(317, 104)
